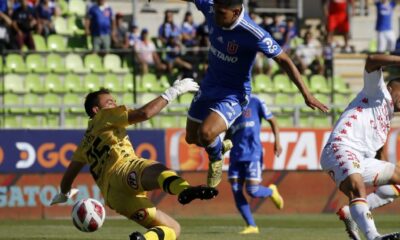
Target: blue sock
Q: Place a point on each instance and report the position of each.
(258, 191)
(242, 205)
(214, 150)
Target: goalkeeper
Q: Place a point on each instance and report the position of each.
(123, 177)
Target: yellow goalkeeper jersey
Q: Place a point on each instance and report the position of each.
(106, 145)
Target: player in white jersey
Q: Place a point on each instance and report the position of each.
(349, 155)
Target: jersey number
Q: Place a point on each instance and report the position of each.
(97, 155)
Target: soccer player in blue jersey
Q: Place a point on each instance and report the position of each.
(224, 92)
(246, 160)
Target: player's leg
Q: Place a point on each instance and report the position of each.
(158, 176)
(236, 174)
(255, 190)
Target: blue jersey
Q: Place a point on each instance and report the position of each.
(232, 53)
(245, 132)
(100, 20)
(384, 15)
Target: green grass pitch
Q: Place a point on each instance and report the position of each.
(280, 227)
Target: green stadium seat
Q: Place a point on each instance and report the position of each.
(284, 120)
(78, 43)
(13, 104)
(73, 83)
(61, 26)
(305, 120)
(40, 43)
(373, 45)
(77, 7)
(74, 63)
(113, 63)
(150, 83)
(12, 121)
(319, 84)
(283, 84)
(340, 102)
(94, 63)
(322, 121)
(75, 25)
(127, 99)
(55, 63)
(73, 121)
(74, 103)
(52, 121)
(186, 98)
(144, 98)
(163, 121)
(52, 102)
(63, 5)
(112, 83)
(34, 84)
(263, 83)
(339, 85)
(34, 104)
(56, 43)
(128, 85)
(164, 82)
(53, 84)
(91, 83)
(14, 83)
(283, 99)
(15, 63)
(36, 64)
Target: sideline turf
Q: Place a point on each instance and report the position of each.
(279, 227)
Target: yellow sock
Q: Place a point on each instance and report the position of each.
(171, 183)
(160, 233)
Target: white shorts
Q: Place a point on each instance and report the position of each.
(341, 161)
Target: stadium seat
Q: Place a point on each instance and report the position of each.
(127, 99)
(112, 82)
(52, 121)
(284, 120)
(61, 26)
(129, 86)
(53, 84)
(73, 121)
(55, 63)
(15, 63)
(163, 121)
(14, 83)
(340, 102)
(52, 102)
(285, 100)
(13, 104)
(340, 86)
(11, 121)
(319, 84)
(77, 7)
(74, 63)
(283, 84)
(72, 83)
(164, 82)
(34, 104)
(56, 43)
(305, 121)
(144, 98)
(73, 103)
(94, 63)
(91, 83)
(186, 98)
(75, 25)
(36, 63)
(63, 5)
(322, 121)
(263, 83)
(113, 63)
(40, 43)
(34, 84)
(150, 83)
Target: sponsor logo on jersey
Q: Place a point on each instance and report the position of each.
(222, 56)
(232, 48)
(270, 45)
(132, 180)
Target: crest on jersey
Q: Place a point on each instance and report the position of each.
(232, 47)
(140, 215)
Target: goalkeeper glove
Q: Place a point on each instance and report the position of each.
(180, 87)
(62, 198)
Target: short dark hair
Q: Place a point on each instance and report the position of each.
(229, 3)
(92, 100)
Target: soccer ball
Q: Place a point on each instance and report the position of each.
(88, 215)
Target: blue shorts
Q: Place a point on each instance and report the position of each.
(248, 170)
(229, 107)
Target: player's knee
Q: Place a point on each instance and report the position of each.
(252, 190)
(206, 135)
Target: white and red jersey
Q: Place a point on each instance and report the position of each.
(365, 123)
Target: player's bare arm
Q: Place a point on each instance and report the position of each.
(275, 130)
(376, 61)
(286, 63)
(155, 106)
(69, 176)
